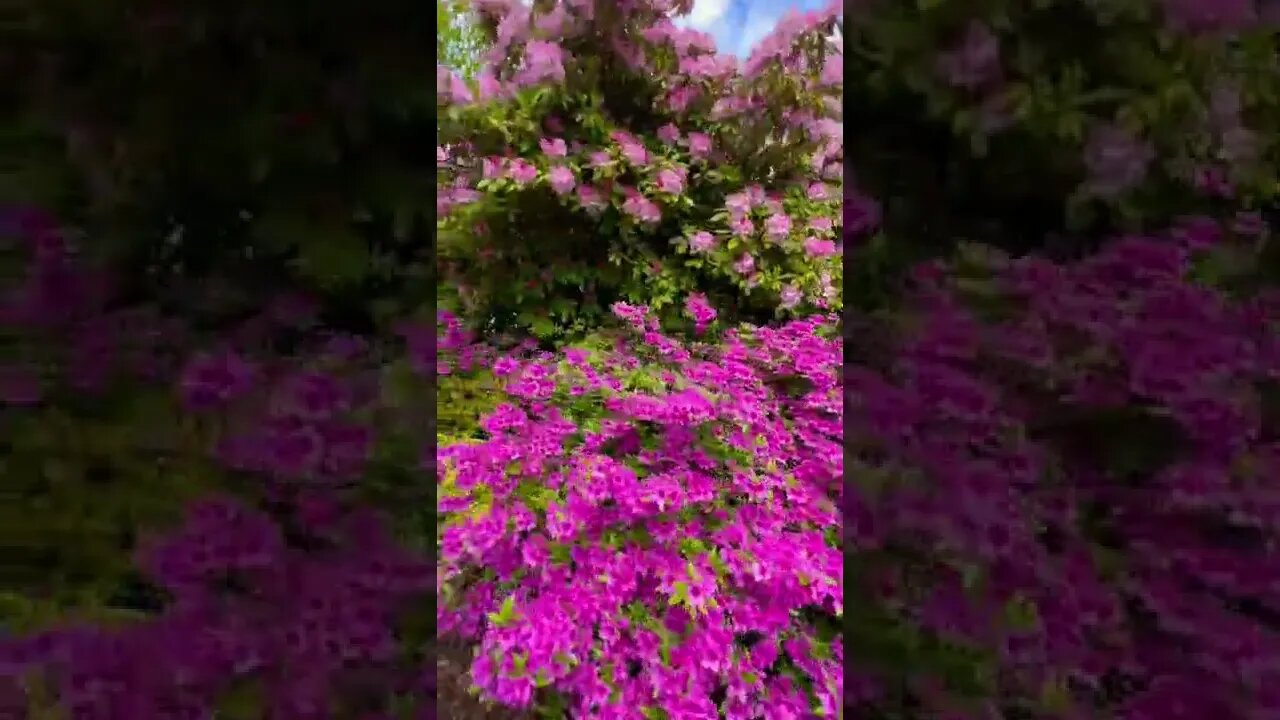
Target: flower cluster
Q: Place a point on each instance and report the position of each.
(285, 600)
(312, 628)
(1089, 447)
(62, 334)
(646, 526)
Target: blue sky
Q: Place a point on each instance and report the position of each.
(737, 25)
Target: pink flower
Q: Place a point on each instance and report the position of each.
(641, 208)
(790, 297)
(1209, 16)
(542, 61)
(311, 396)
(487, 86)
(738, 204)
(818, 191)
(745, 264)
(1213, 181)
(819, 248)
(522, 171)
(553, 147)
(455, 87)
(561, 179)
(669, 181)
(590, 197)
(778, 226)
(742, 226)
(635, 153)
(697, 307)
(861, 213)
(699, 144)
(210, 380)
(702, 241)
(975, 61)
(1197, 232)
(832, 70)
(669, 133)
(600, 158)
(681, 97)
(821, 224)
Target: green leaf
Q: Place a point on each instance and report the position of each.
(506, 614)
(399, 383)
(334, 259)
(1021, 614)
(542, 327)
(681, 594)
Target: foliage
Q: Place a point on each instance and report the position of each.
(458, 37)
(990, 122)
(216, 441)
(466, 389)
(93, 451)
(604, 154)
(260, 146)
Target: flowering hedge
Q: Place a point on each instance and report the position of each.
(1059, 500)
(675, 502)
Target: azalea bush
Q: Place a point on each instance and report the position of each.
(194, 537)
(653, 527)
(1066, 472)
(93, 443)
(603, 153)
(257, 625)
(990, 122)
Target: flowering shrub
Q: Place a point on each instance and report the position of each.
(603, 153)
(307, 177)
(648, 525)
(256, 626)
(91, 445)
(283, 594)
(983, 123)
(1090, 447)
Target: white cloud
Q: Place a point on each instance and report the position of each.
(706, 13)
(738, 25)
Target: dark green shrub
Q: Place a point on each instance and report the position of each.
(977, 120)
